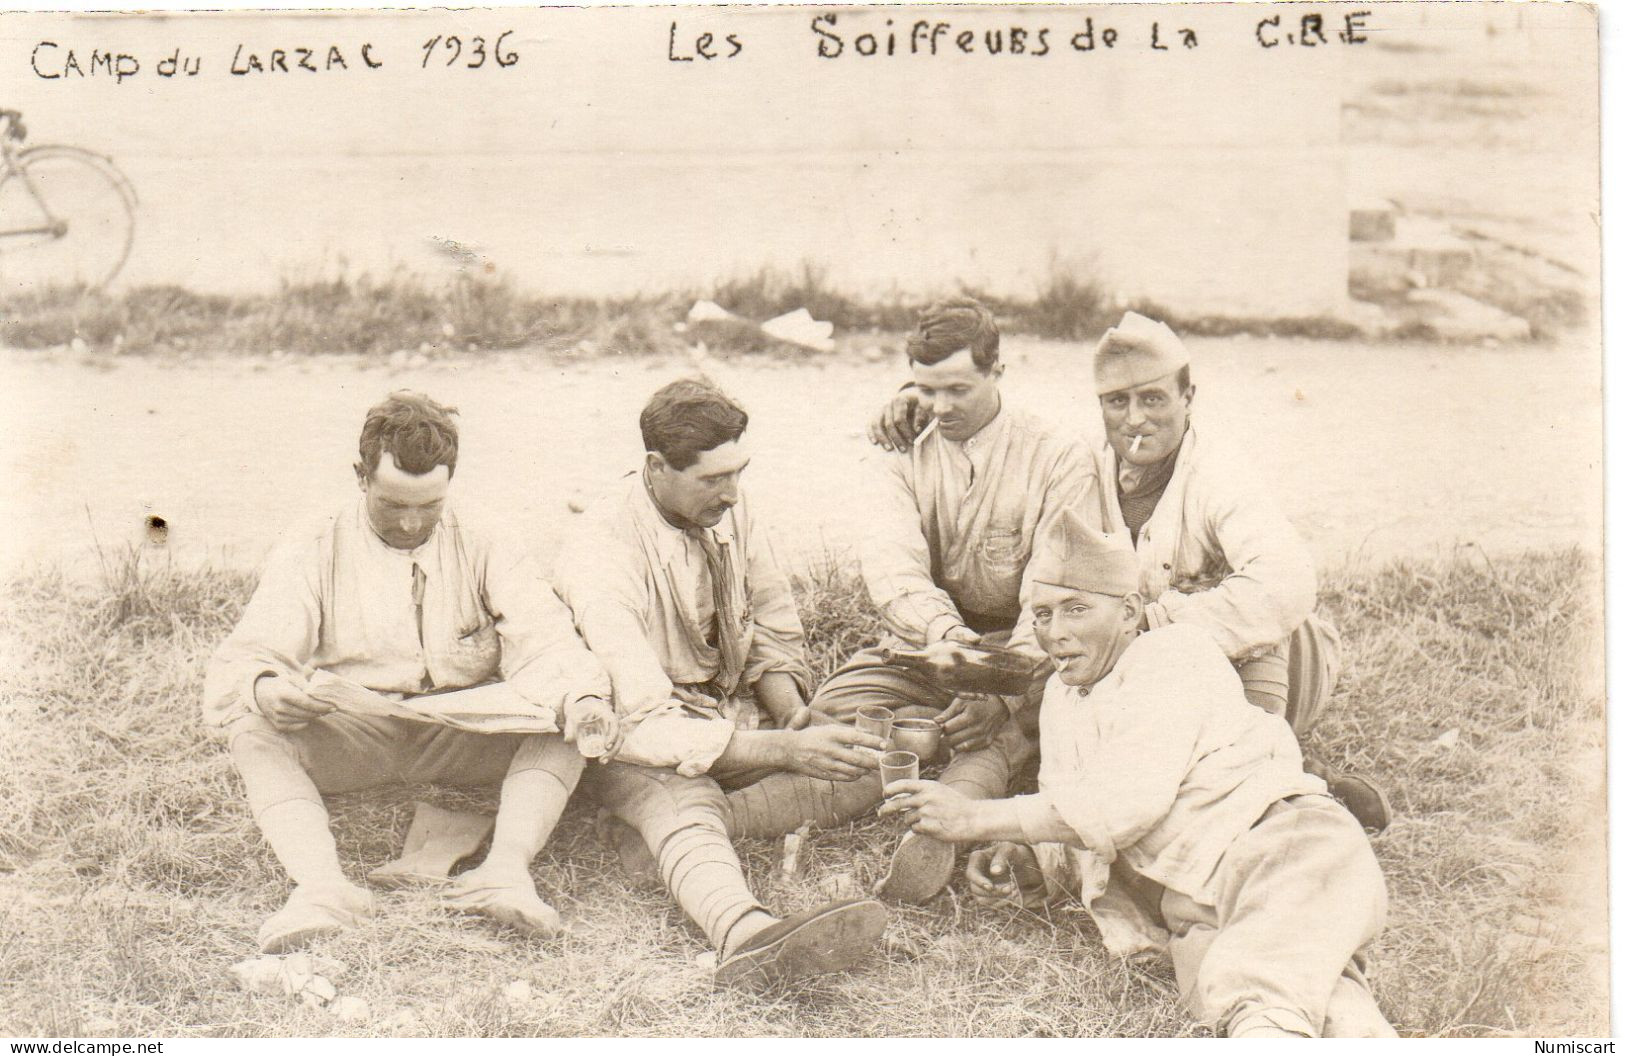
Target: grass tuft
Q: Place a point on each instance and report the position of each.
(342, 314)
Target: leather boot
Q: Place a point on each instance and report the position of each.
(1359, 795)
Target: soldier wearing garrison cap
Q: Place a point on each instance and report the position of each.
(1175, 811)
(1074, 554)
(1135, 352)
(1214, 551)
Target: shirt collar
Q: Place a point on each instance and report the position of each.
(1133, 480)
(1091, 695)
(425, 554)
(978, 449)
(1182, 454)
(983, 439)
(669, 539)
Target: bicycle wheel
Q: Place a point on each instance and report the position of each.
(67, 220)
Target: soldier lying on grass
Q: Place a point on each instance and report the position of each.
(1176, 812)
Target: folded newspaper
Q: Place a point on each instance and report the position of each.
(492, 708)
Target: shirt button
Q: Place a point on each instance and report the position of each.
(1166, 567)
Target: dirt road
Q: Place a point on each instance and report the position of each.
(1372, 450)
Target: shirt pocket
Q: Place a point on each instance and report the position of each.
(1004, 550)
(475, 652)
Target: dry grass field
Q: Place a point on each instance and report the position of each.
(131, 877)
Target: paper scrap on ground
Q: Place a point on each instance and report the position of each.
(792, 849)
(796, 327)
(800, 328)
(708, 311)
(493, 708)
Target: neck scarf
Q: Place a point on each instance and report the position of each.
(719, 562)
(1140, 488)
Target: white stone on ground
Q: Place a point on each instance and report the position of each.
(351, 1009)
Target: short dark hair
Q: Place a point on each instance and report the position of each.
(415, 429)
(954, 324)
(688, 417)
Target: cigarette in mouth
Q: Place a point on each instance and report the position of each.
(1134, 448)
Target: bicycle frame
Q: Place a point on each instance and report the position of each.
(10, 168)
(13, 163)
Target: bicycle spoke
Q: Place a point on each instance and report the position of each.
(65, 221)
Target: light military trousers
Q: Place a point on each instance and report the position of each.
(342, 752)
(772, 805)
(1299, 897)
(867, 678)
(684, 821)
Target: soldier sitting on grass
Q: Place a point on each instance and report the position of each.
(401, 595)
(952, 517)
(674, 585)
(1175, 811)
